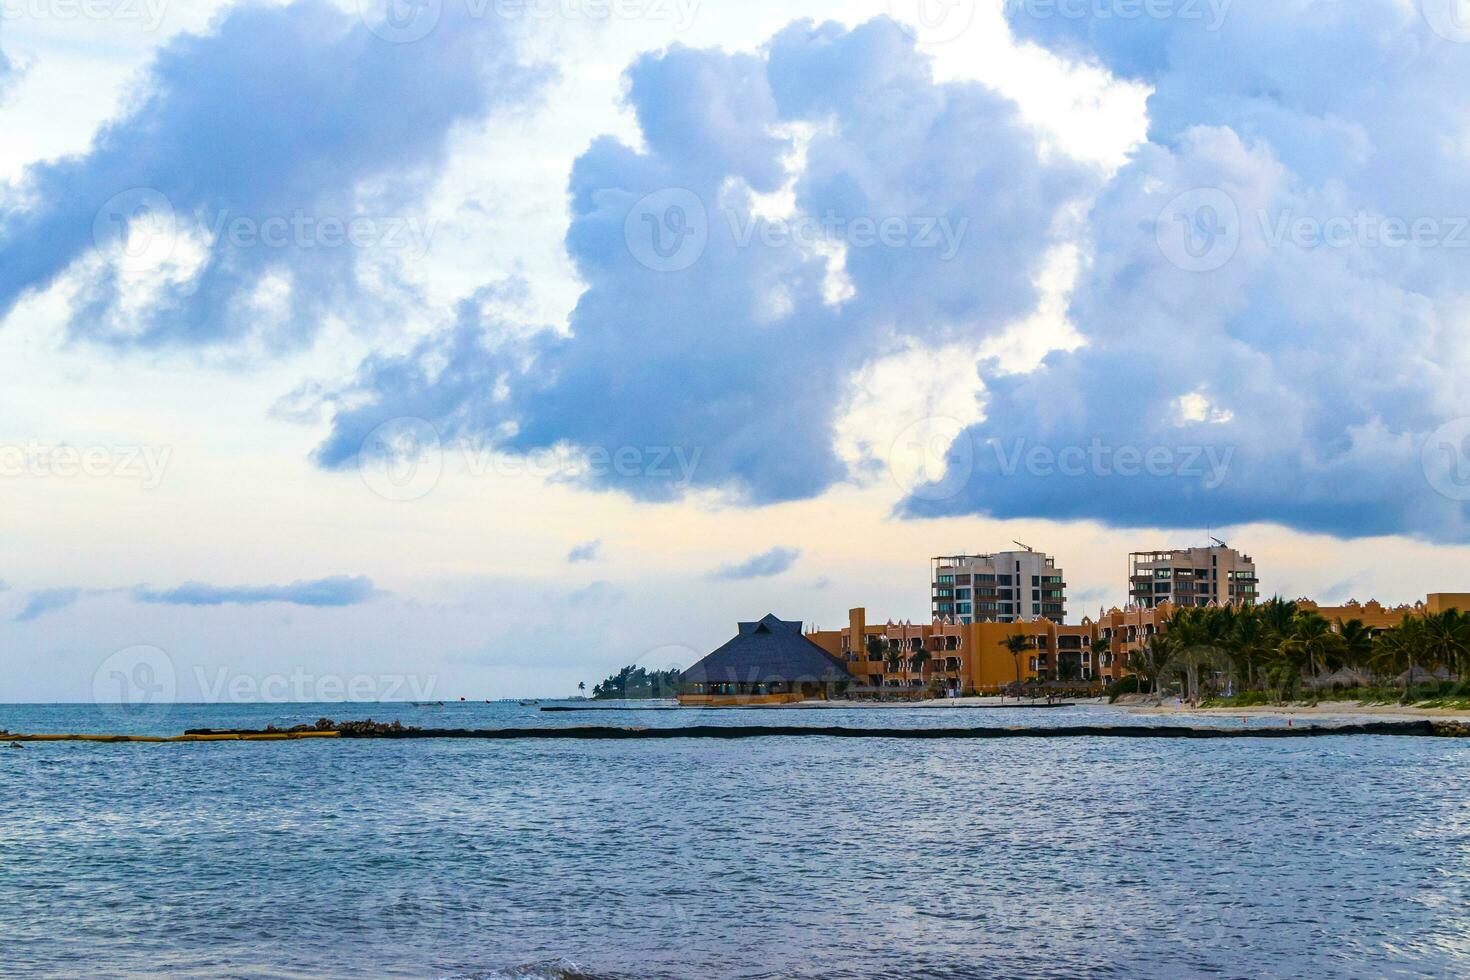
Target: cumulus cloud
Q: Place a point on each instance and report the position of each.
(1277, 279)
(767, 565)
(6, 68)
(588, 551)
(791, 216)
(323, 593)
(264, 176)
(41, 603)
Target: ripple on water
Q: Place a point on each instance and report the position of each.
(789, 858)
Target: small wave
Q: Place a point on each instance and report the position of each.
(559, 970)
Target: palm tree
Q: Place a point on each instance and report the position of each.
(1250, 643)
(1312, 639)
(876, 648)
(919, 659)
(1149, 660)
(582, 687)
(1356, 648)
(1199, 636)
(1397, 650)
(1016, 645)
(1101, 646)
(894, 659)
(1278, 616)
(1444, 640)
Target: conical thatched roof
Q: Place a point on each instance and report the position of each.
(768, 651)
(1346, 677)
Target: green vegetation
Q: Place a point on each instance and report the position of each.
(1275, 652)
(637, 683)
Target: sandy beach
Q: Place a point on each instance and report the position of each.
(1333, 709)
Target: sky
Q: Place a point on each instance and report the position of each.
(419, 349)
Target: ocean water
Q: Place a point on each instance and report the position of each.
(1333, 857)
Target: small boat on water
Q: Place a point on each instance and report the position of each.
(529, 703)
(428, 704)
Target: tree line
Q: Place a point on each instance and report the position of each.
(1278, 650)
(635, 683)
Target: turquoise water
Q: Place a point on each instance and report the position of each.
(772, 858)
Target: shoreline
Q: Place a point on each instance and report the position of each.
(366, 731)
(1338, 709)
(1346, 709)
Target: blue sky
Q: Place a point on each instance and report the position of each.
(500, 346)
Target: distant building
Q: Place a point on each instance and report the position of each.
(1007, 587)
(1378, 617)
(768, 662)
(952, 658)
(1218, 575)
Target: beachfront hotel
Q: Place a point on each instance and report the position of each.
(1008, 587)
(981, 604)
(1216, 575)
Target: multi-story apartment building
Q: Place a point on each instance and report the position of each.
(1192, 577)
(964, 657)
(961, 658)
(1009, 587)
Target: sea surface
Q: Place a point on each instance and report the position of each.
(1331, 857)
